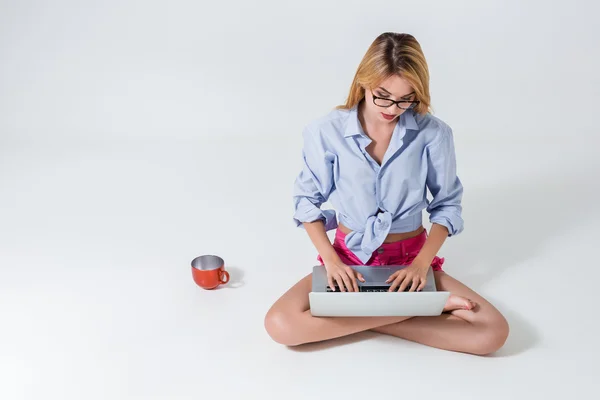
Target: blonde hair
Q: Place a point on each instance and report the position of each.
(392, 54)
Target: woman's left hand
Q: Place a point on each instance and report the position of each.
(414, 275)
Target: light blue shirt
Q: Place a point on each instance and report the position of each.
(371, 199)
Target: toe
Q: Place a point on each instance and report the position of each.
(470, 305)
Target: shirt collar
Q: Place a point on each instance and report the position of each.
(353, 126)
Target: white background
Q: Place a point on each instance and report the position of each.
(137, 135)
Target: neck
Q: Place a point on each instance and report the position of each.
(370, 123)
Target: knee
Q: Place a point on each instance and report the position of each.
(280, 327)
(491, 337)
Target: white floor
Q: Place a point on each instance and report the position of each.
(97, 300)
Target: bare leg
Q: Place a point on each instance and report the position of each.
(290, 322)
(482, 330)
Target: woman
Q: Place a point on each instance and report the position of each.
(374, 158)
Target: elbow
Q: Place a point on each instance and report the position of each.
(449, 217)
(314, 213)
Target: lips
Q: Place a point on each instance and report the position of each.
(388, 116)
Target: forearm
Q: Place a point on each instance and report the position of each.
(436, 238)
(318, 236)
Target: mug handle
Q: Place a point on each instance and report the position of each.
(224, 274)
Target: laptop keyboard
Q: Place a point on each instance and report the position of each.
(365, 289)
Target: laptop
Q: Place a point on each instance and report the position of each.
(373, 298)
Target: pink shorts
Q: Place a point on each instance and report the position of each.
(402, 252)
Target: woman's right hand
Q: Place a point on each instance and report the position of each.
(345, 276)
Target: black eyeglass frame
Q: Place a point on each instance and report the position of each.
(397, 103)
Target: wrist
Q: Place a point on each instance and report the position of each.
(330, 256)
(421, 262)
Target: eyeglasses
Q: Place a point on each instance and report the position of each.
(402, 104)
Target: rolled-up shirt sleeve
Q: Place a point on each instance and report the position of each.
(445, 186)
(314, 183)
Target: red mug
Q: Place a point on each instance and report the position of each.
(209, 272)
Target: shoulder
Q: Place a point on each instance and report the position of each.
(328, 126)
(433, 129)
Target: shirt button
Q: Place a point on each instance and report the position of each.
(380, 250)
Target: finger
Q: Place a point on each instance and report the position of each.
(340, 282)
(331, 285)
(393, 282)
(422, 285)
(354, 283)
(347, 281)
(350, 272)
(414, 284)
(405, 283)
(360, 277)
(397, 281)
(392, 277)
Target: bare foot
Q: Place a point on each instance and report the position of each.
(458, 303)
